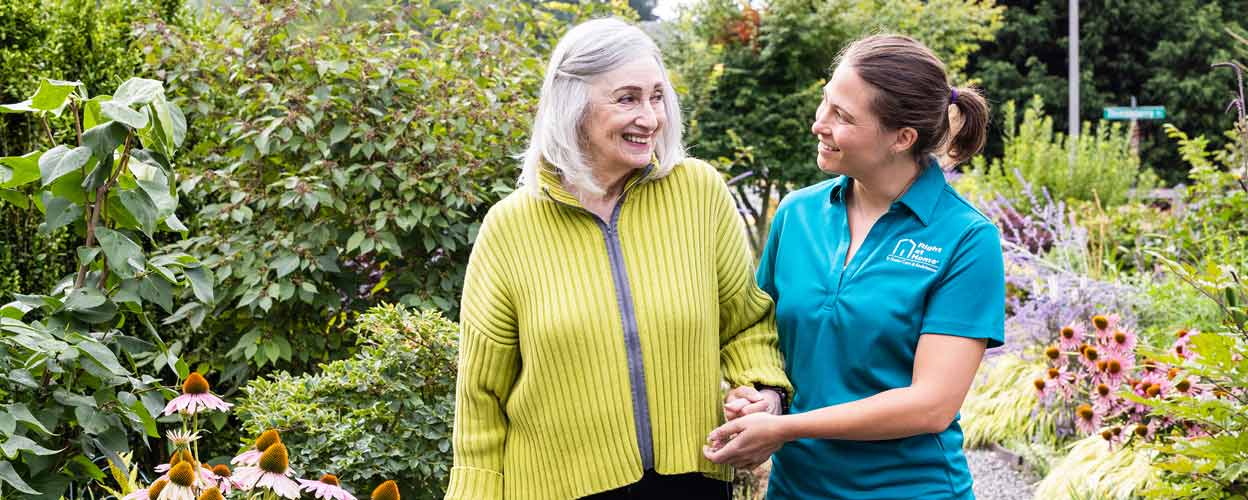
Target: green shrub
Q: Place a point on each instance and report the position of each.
(1104, 169)
(385, 413)
(344, 154)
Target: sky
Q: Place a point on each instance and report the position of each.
(666, 9)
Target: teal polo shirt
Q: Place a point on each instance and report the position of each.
(931, 264)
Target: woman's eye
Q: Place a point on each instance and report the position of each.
(656, 97)
(628, 99)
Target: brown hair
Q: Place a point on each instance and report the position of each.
(912, 90)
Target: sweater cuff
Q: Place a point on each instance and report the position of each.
(470, 483)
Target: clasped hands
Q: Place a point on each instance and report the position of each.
(752, 432)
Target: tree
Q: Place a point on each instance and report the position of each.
(1159, 51)
(751, 78)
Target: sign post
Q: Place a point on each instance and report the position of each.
(1135, 113)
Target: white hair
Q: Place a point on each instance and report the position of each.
(588, 50)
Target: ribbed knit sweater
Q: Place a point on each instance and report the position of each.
(576, 329)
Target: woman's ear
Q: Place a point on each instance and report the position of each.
(906, 137)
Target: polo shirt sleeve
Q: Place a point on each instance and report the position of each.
(766, 275)
(489, 361)
(969, 300)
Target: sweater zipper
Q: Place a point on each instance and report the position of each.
(632, 339)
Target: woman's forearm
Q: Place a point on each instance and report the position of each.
(893, 414)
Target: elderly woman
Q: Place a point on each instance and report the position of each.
(607, 298)
(889, 287)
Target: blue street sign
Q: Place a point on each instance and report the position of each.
(1136, 113)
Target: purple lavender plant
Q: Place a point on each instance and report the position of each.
(1047, 261)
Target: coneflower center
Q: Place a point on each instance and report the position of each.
(275, 459)
(1084, 412)
(1053, 373)
(1107, 435)
(386, 491)
(195, 384)
(182, 474)
(1068, 332)
(1114, 367)
(1090, 353)
(1102, 389)
(1039, 384)
(211, 494)
(1052, 352)
(1100, 322)
(1183, 386)
(1153, 390)
(1120, 337)
(154, 492)
(330, 479)
(267, 438)
(222, 470)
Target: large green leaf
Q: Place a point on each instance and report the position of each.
(53, 95)
(16, 444)
(23, 415)
(141, 207)
(8, 424)
(149, 423)
(91, 115)
(61, 160)
(104, 139)
(22, 169)
(17, 198)
(139, 91)
(285, 264)
(157, 290)
(8, 475)
(201, 283)
(86, 297)
(21, 107)
(124, 256)
(115, 110)
(102, 355)
(58, 212)
(153, 181)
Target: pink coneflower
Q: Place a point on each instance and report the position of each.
(1043, 389)
(1123, 341)
(221, 477)
(181, 485)
(151, 493)
(179, 456)
(1087, 420)
(1088, 357)
(1070, 337)
(211, 494)
(252, 456)
(1105, 326)
(327, 488)
(1054, 354)
(1113, 435)
(1181, 347)
(1117, 366)
(195, 398)
(1104, 401)
(270, 472)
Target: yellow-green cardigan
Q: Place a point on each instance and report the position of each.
(576, 329)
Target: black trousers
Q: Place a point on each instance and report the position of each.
(654, 486)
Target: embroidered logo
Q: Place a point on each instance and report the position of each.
(915, 254)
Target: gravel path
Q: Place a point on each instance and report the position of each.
(996, 478)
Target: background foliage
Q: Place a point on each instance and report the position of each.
(385, 413)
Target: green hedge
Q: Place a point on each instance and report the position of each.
(386, 413)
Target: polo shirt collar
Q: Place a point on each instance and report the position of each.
(920, 198)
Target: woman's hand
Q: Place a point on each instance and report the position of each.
(744, 400)
(747, 441)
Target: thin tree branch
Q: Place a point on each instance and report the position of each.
(101, 195)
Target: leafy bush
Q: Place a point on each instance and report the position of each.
(386, 413)
(68, 373)
(344, 154)
(1104, 168)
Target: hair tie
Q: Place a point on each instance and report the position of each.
(953, 95)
